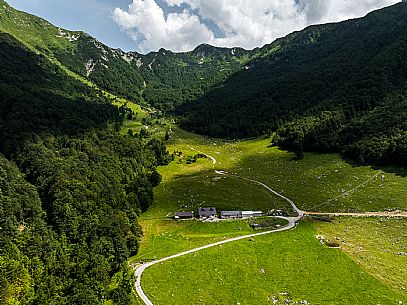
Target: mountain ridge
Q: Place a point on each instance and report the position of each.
(317, 86)
(296, 87)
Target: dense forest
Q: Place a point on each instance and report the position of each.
(174, 79)
(71, 186)
(335, 87)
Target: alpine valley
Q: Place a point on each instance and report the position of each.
(100, 147)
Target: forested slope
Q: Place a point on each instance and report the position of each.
(163, 79)
(334, 87)
(71, 186)
(176, 78)
(77, 51)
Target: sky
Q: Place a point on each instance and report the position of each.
(181, 25)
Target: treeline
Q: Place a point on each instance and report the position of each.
(71, 186)
(37, 98)
(377, 137)
(327, 88)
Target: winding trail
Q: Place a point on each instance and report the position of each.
(292, 221)
(294, 206)
(291, 224)
(348, 192)
(213, 159)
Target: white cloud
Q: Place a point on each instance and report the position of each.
(322, 11)
(146, 23)
(245, 23)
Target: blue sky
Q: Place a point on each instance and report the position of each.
(181, 25)
(91, 16)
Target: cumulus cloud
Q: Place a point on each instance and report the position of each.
(322, 11)
(244, 23)
(147, 24)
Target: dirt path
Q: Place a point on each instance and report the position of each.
(213, 159)
(291, 224)
(294, 206)
(348, 192)
(400, 214)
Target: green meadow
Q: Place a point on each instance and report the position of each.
(377, 245)
(270, 269)
(291, 265)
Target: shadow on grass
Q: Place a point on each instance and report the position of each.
(390, 169)
(208, 189)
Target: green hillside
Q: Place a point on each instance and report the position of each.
(334, 87)
(77, 51)
(78, 175)
(164, 79)
(174, 79)
(331, 88)
(71, 186)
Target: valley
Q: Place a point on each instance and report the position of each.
(328, 184)
(100, 147)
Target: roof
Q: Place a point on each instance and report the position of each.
(247, 212)
(205, 212)
(252, 212)
(231, 213)
(184, 214)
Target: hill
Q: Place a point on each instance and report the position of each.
(71, 186)
(333, 87)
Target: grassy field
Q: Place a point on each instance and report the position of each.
(186, 187)
(320, 182)
(294, 262)
(292, 265)
(166, 237)
(377, 245)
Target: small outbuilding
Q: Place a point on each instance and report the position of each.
(207, 213)
(183, 215)
(257, 213)
(230, 214)
(251, 214)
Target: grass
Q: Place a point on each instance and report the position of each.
(324, 182)
(320, 182)
(275, 267)
(166, 237)
(377, 245)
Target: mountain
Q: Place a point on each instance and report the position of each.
(315, 88)
(72, 186)
(37, 97)
(176, 78)
(333, 87)
(77, 51)
(164, 79)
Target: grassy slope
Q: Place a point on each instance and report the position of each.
(312, 182)
(378, 245)
(255, 272)
(186, 187)
(164, 238)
